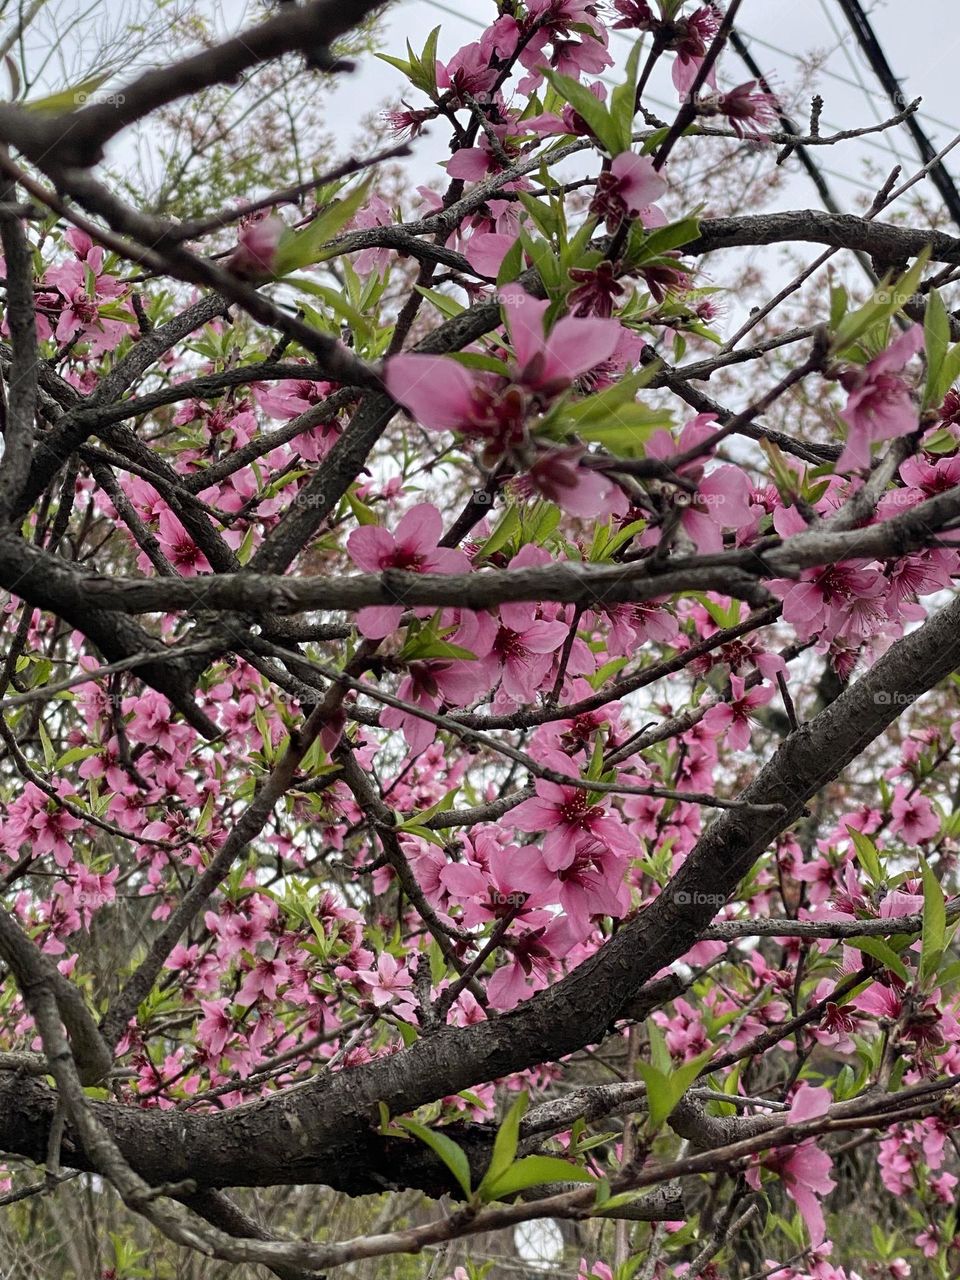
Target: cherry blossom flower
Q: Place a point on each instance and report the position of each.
(570, 824)
(751, 110)
(413, 548)
(634, 14)
(215, 1028)
(84, 289)
(879, 405)
(255, 256)
(694, 36)
(724, 494)
(549, 363)
(629, 187)
(387, 980)
(375, 213)
(733, 718)
(429, 685)
(804, 1169)
(913, 816)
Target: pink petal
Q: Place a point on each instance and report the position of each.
(485, 252)
(369, 546)
(419, 528)
(377, 621)
(578, 345)
(472, 164)
(524, 316)
(437, 391)
(640, 184)
(809, 1102)
(899, 351)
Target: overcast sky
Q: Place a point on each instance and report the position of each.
(921, 39)
(787, 37)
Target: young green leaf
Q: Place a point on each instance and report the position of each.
(533, 1171)
(933, 938)
(882, 951)
(504, 1145)
(452, 1155)
(936, 331)
(867, 855)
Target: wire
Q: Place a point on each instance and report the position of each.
(872, 105)
(878, 61)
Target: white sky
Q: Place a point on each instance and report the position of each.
(921, 39)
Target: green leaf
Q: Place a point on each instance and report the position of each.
(75, 754)
(933, 937)
(504, 1146)
(49, 755)
(453, 1156)
(644, 248)
(363, 513)
(438, 963)
(447, 306)
(302, 248)
(867, 855)
(413, 828)
(71, 99)
(535, 1171)
(425, 66)
(443, 805)
(659, 1053)
(838, 305)
(623, 101)
(512, 264)
(949, 372)
(936, 329)
(659, 1095)
(886, 300)
(882, 951)
(543, 259)
(400, 63)
(424, 647)
(591, 109)
(507, 527)
(628, 436)
(666, 1083)
(335, 299)
(408, 1033)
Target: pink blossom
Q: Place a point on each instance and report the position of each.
(255, 256)
(83, 290)
(839, 599)
(570, 824)
(387, 981)
(629, 188)
(913, 816)
(429, 685)
(733, 718)
(694, 37)
(375, 213)
(804, 1169)
(549, 363)
(750, 109)
(215, 1028)
(879, 405)
(724, 495)
(412, 548)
